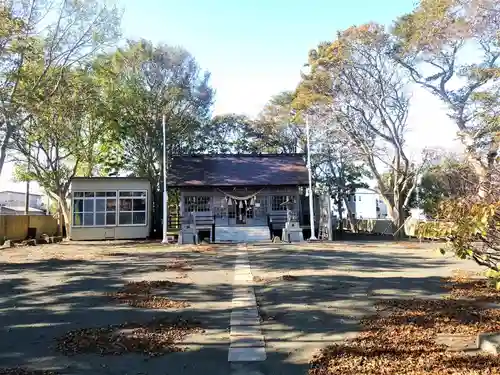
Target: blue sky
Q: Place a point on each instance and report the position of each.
(255, 49)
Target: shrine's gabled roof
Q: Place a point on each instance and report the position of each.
(238, 170)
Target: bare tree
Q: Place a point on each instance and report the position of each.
(452, 50)
(363, 93)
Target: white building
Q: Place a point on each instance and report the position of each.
(17, 199)
(110, 208)
(366, 204)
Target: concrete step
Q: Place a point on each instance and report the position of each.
(242, 234)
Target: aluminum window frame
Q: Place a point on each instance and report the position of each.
(94, 212)
(146, 207)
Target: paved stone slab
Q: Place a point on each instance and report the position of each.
(242, 272)
(243, 290)
(244, 297)
(246, 310)
(489, 342)
(246, 278)
(242, 263)
(243, 319)
(241, 268)
(246, 354)
(246, 330)
(244, 369)
(247, 341)
(457, 342)
(244, 303)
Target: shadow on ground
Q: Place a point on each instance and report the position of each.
(41, 300)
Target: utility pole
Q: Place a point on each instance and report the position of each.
(165, 192)
(311, 197)
(27, 194)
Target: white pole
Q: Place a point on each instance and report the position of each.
(419, 178)
(165, 193)
(311, 198)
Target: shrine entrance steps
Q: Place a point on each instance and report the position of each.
(242, 234)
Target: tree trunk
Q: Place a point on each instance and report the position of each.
(395, 211)
(352, 226)
(340, 210)
(483, 170)
(3, 146)
(65, 210)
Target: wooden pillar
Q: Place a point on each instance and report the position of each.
(181, 207)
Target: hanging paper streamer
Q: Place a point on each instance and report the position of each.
(241, 204)
(229, 202)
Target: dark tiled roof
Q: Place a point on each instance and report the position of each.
(238, 170)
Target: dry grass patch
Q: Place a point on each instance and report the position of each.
(148, 301)
(402, 339)
(205, 249)
(177, 265)
(155, 338)
(259, 279)
(467, 285)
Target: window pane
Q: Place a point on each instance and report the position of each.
(78, 205)
(88, 205)
(125, 218)
(77, 219)
(111, 218)
(139, 205)
(111, 204)
(139, 194)
(277, 203)
(125, 194)
(89, 194)
(139, 218)
(125, 205)
(88, 219)
(99, 218)
(111, 194)
(100, 194)
(100, 205)
(78, 194)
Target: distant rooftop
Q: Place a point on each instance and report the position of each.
(19, 192)
(21, 209)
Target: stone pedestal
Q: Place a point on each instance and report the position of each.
(292, 232)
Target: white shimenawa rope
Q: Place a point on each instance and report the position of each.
(237, 198)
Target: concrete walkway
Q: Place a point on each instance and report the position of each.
(247, 342)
